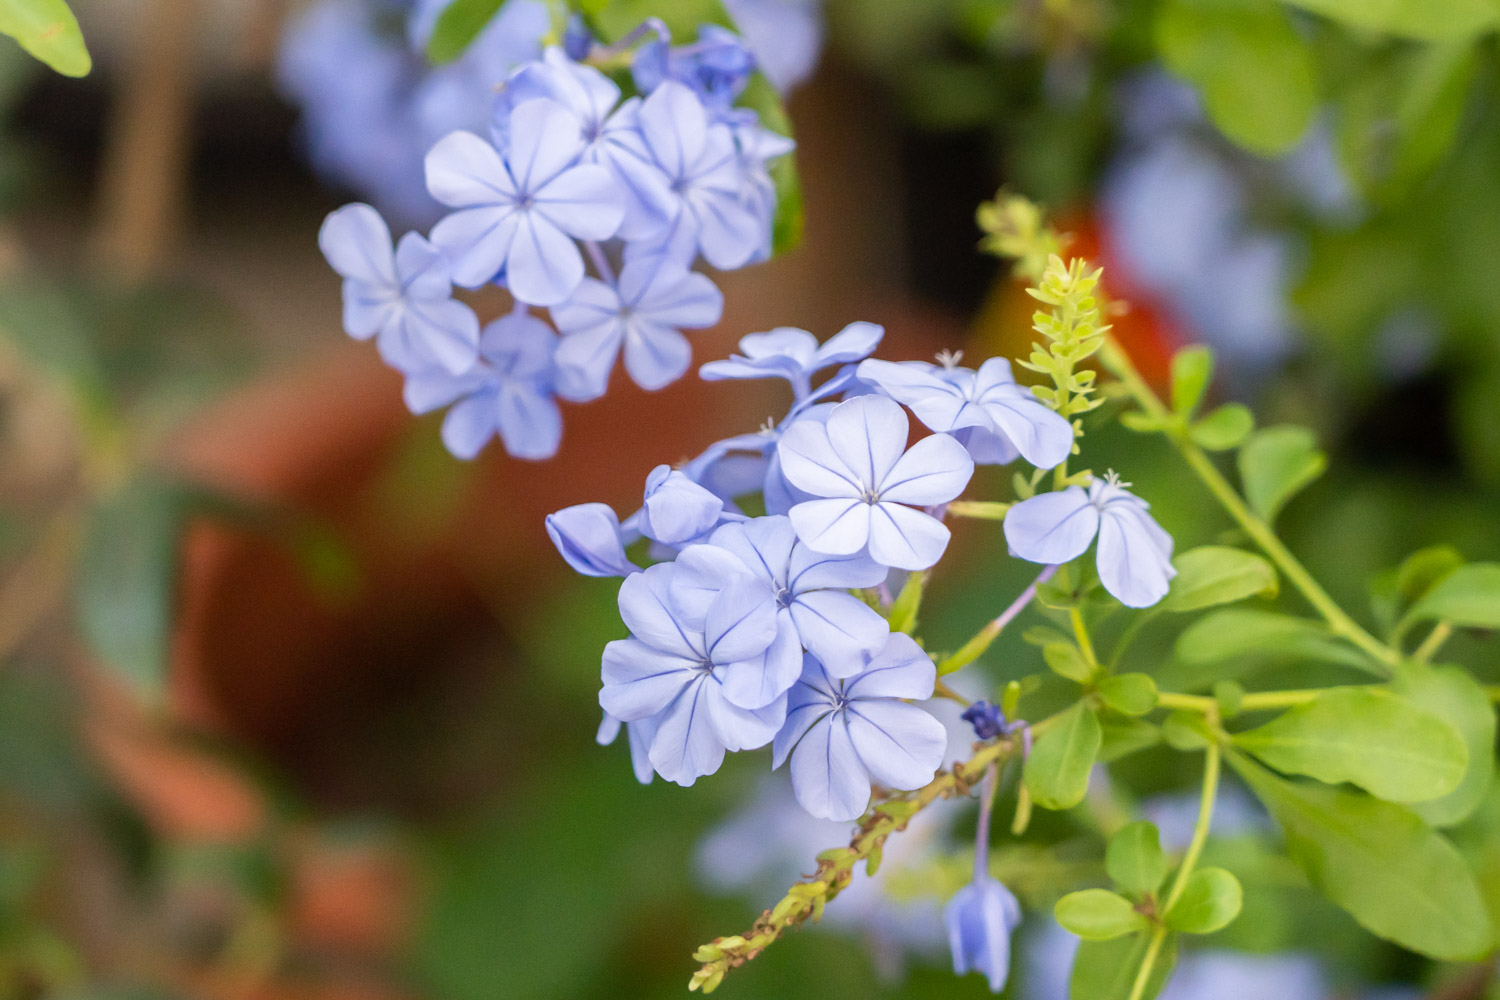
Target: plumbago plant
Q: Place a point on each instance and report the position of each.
(772, 585)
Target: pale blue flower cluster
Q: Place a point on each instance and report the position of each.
(768, 629)
(567, 176)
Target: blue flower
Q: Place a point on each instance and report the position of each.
(589, 538)
(980, 919)
(509, 392)
(786, 37)
(676, 510)
(403, 299)
(675, 668)
(1135, 554)
(716, 67)
(841, 734)
(515, 215)
(814, 609)
(795, 355)
(644, 313)
(757, 147)
(992, 415)
(859, 467)
(610, 136)
(709, 210)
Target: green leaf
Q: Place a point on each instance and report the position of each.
(48, 30)
(1210, 899)
(1223, 428)
(1106, 970)
(1425, 569)
(1123, 736)
(1397, 118)
(1217, 574)
(1397, 877)
(1369, 736)
(1455, 697)
(1255, 73)
(1469, 596)
(1057, 771)
(1134, 858)
(126, 583)
(1066, 660)
(1098, 914)
(1250, 632)
(1128, 694)
(457, 26)
(1275, 464)
(1428, 20)
(1192, 371)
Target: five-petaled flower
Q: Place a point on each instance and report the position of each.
(841, 734)
(404, 299)
(678, 667)
(862, 475)
(1135, 554)
(515, 216)
(509, 392)
(795, 355)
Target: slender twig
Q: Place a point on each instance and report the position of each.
(1118, 361)
(975, 647)
(1440, 634)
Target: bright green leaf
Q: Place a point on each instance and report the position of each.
(1066, 660)
(457, 26)
(1106, 970)
(1425, 569)
(1128, 694)
(1469, 596)
(1097, 914)
(1217, 574)
(1455, 697)
(1276, 463)
(48, 30)
(1254, 71)
(1223, 428)
(1377, 740)
(1428, 20)
(1192, 371)
(1397, 877)
(1210, 899)
(1057, 771)
(1134, 858)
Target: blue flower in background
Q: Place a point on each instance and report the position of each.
(981, 917)
(864, 476)
(795, 355)
(674, 668)
(841, 734)
(786, 37)
(1135, 554)
(709, 211)
(757, 147)
(993, 417)
(814, 609)
(515, 216)
(643, 313)
(716, 67)
(404, 299)
(589, 538)
(508, 393)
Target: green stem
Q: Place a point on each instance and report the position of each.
(1115, 358)
(1434, 642)
(1138, 989)
(1081, 633)
(1255, 701)
(1185, 870)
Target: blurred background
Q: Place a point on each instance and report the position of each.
(295, 705)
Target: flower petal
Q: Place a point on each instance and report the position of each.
(855, 341)
(357, 243)
(839, 629)
(900, 745)
(1052, 528)
(901, 670)
(934, 470)
(868, 433)
(647, 609)
(827, 776)
(543, 266)
(757, 682)
(838, 526)
(583, 201)
(1041, 436)
(463, 171)
(905, 538)
(1132, 565)
(640, 681)
(741, 621)
(587, 536)
(686, 746)
(810, 462)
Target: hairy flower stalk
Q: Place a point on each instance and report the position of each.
(806, 899)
